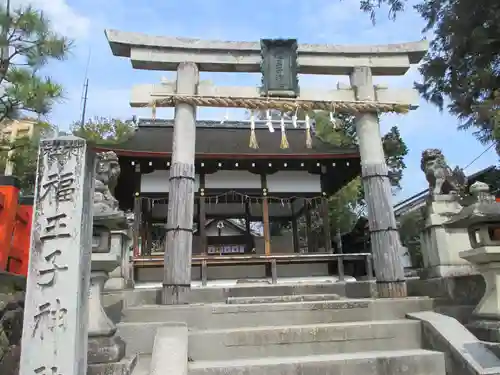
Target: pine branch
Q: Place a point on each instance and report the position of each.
(31, 41)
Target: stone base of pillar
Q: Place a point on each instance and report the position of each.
(394, 289)
(123, 367)
(105, 350)
(115, 283)
(485, 330)
(176, 294)
(99, 323)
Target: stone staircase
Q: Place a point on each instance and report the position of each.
(306, 334)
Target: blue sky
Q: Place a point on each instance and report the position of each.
(310, 21)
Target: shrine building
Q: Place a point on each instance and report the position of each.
(235, 182)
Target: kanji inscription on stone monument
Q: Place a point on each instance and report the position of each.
(61, 185)
(50, 316)
(43, 370)
(55, 320)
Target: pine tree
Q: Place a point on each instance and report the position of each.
(27, 43)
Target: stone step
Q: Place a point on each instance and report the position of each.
(215, 316)
(407, 362)
(142, 365)
(150, 296)
(281, 299)
(302, 340)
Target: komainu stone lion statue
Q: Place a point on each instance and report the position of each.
(106, 178)
(441, 178)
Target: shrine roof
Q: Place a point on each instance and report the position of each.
(213, 140)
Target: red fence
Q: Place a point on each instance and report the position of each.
(15, 227)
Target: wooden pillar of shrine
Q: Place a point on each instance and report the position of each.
(385, 243)
(310, 242)
(295, 231)
(249, 240)
(136, 229)
(325, 213)
(202, 215)
(340, 250)
(147, 244)
(265, 216)
(177, 261)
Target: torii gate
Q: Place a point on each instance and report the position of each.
(362, 98)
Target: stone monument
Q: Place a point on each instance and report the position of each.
(56, 308)
(482, 222)
(106, 350)
(442, 244)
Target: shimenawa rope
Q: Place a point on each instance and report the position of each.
(285, 105)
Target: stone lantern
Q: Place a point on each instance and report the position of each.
(482, 221)
(106, 350)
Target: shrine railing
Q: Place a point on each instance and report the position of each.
(205, 261)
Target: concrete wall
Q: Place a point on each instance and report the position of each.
(13, 129)
(454, 296)
(279, 182)
(157, 182)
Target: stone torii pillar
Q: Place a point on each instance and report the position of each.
(384, 237)
(178, 251)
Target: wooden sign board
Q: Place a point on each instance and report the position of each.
(279, 68)
(226, 249)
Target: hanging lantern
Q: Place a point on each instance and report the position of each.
(284, 141)
(308, 132)
(253, 138)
